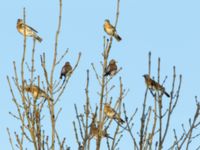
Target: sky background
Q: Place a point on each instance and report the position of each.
(168, 28)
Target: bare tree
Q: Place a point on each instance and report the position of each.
(108, 119)
(156, 119)
(45, 87)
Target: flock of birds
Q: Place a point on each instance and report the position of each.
(110, 70)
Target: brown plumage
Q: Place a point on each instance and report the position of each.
(94, 132)
(111, 69)
(112, 114)
(29, 31)
(110, 30)
(66, 69)
(153, 85)
(37, 92)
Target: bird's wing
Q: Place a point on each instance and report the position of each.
(63, 71)
(107, 69)
(70, 68)
(158, 86)
(112, 27)
(112, 111)
(114, 67)
(43, 93)
(152, 83)
(31, 28)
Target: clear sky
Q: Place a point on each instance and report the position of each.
(169, 29)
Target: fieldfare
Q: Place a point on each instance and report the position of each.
(111, 69)
(153, 85)
(29, 31)
(66, 69)
(112, 114)
(94, 132)
(110, 30)
(37, 92)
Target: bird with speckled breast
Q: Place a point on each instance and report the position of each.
(153, 85)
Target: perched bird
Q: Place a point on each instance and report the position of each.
(112, 114)
(94, 132)
(110, 30)
(66, 69)
(37, 92)
(153, 85)
(29, 31)
(111, 69)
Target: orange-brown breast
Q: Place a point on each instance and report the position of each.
(19, 27)
(109, 111)
(35, 91)
(108, 28)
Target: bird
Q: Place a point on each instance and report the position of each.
(29, 31)
(153, 85)
(111, 69)
(37, 92)
(94, 131)
(66, 69)
(110, 30)
(112, 114)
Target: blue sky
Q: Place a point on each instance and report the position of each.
(169, 29)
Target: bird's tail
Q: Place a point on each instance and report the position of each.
(49, 98)
(120, 120)
(106, 74)
(38, 38)
(117, 37)
(46, 96)
(166, 94)
(60, 76)
(108, 136)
